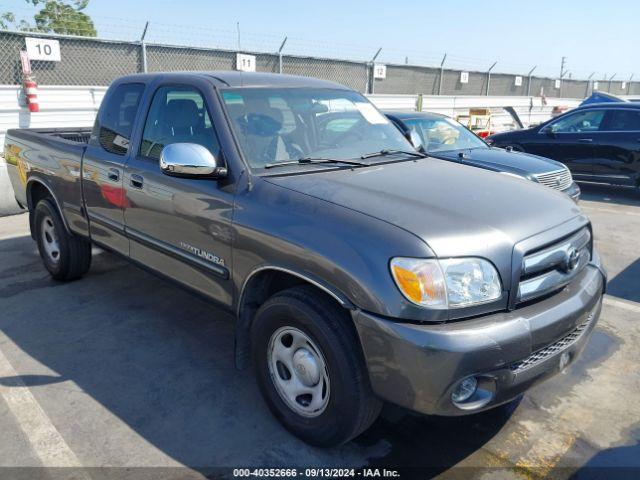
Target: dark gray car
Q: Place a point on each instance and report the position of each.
(442, 137)
(359, 270)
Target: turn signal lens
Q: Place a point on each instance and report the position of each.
(420, 281)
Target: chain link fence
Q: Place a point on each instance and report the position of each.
(94, 62)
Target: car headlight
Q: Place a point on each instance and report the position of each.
(449, 283)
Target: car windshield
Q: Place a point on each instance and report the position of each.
(276, 125)
(442, 134)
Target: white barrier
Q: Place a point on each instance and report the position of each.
(531, 110)
(59, 107)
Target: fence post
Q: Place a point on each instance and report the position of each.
(489, 77)
(589, 84)
(529, 80)
(610, 78)
(280, 55)
(629, 84)
(441, 74)
(143, 48)
(372, 66)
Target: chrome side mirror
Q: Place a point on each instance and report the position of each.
(189, 160)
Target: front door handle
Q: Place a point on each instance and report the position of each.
(113, 174)
(136, 181)
(586, 140)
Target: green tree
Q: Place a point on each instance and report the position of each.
(57, 16)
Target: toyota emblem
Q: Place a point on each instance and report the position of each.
(571, 260)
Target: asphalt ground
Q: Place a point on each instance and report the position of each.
(121, 374)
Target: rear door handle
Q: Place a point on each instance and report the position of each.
(113, 174)
(136, 181)
(586, 140)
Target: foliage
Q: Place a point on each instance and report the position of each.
(57, 16)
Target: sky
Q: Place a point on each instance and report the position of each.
(592, 35)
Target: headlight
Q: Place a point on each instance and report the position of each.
(450, 283)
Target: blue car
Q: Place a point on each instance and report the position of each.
(440, 136)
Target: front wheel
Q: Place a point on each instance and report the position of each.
(65, 256)
(310, 367)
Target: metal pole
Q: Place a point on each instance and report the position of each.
(529, 81)
(280, 55)
(238, 30)
(372, 88)
(143, 46)
(610, 78)
(489, 76)
(441, 74)
(562, 72)
(629, 84)
(589, 82)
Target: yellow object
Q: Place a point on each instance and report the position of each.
(408, 282)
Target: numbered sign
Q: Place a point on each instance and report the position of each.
(595, 85)
(245, 63)
(558, 83)
(43, 49)
(623, 86)
(379, 71)
(518, 81)
(464, 77)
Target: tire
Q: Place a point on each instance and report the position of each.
(342, 405)
(65, 256)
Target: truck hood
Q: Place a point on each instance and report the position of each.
(456, 209)
(518, 163)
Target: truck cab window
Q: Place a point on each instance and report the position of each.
(112, 130)
(178, 114)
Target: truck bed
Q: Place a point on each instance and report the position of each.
(54, 157)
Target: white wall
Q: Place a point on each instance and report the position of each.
(59, 107)
(530, 109)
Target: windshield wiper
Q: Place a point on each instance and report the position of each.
(382, 153)
(312, 160)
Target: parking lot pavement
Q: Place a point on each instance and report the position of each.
(121, 369)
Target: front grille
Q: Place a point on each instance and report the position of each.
(550, 350)
(558, 180)
(550, 268)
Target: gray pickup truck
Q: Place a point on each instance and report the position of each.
(359, 270)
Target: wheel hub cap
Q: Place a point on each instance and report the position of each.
(50, 240)
(306, 367)
(298, 371)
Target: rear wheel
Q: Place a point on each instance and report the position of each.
(310, 368)
(65, 256)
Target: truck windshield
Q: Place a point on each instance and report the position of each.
(276, 125)
(440, 134)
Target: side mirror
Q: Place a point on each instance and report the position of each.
(189, 160)
(548, 131)
(415, 140)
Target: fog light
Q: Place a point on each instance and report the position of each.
(464, 390)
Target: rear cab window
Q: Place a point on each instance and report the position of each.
(114, 124)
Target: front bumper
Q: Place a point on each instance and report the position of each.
(418, 366)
